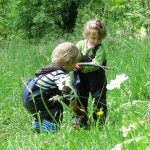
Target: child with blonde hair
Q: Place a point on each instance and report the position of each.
(38, 94)
(91, 79)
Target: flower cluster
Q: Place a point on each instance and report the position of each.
(117, 82)
(64, 82)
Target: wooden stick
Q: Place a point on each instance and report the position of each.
(95, 65)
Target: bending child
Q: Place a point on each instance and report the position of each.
(38, 94)
(89, 78)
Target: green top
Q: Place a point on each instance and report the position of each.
(99, 57)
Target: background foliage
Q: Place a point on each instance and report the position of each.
(36, 18)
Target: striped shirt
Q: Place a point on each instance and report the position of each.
(52, 80)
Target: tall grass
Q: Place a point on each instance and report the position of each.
(128, 105)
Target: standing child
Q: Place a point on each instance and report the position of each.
(88, 78)
(38, 94)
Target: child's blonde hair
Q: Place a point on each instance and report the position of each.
(64, 53)
(95, 24)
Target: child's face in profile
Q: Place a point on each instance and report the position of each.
(70, 66)
(93, 37)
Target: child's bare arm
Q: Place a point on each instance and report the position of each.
(70, 100)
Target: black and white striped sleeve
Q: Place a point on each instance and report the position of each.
(58, 76)
(46, 82)
(50, 80)
(67, 91)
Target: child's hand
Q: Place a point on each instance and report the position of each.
(81, 113)
(77, 68)
(83, 118)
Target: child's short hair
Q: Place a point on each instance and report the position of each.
(65, 52)
(95, 24)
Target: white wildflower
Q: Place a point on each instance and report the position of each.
(118, 32)
(148, 12)
(117, 82)
(134, 102)
(133, 126)
(142, 32)
(117, 147)
(64, 82)
(111, 85)
(126, 130)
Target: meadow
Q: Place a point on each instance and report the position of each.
(128, 120)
